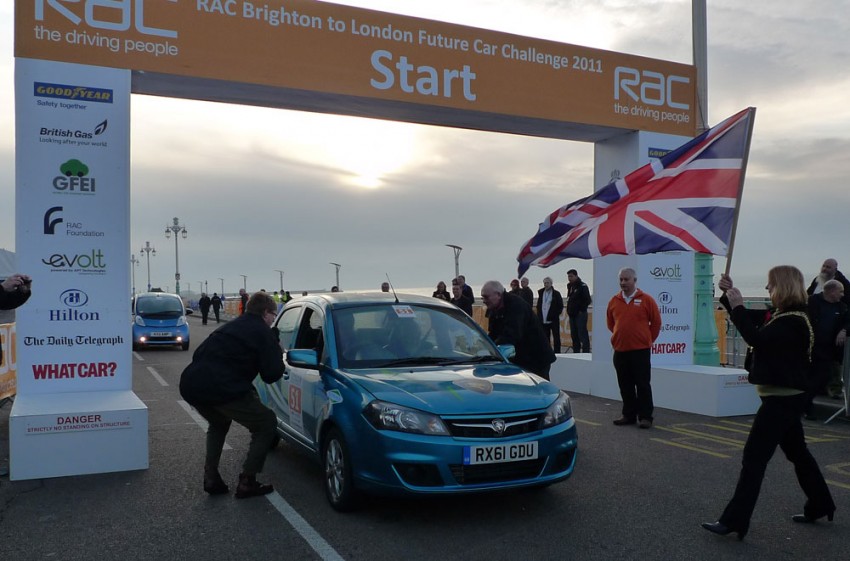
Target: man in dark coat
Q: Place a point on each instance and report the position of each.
(204, 304)
(512, 322)
(14, 291)
(460, 299)
(215, 301)
(218, 383)
(526, 292)
(830, 323)
(578, 300)
(550, 305)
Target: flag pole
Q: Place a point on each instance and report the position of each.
(752, 118)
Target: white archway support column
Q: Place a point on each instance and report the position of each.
(75, 411)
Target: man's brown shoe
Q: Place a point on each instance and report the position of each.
(250, 487)
(624, 421)
(645, 424)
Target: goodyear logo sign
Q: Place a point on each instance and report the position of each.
(64, 91)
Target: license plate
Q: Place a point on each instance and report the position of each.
(499, 453)
(160, 334)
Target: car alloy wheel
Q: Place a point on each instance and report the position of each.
(339, 484)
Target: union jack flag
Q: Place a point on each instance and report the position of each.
(684, 201)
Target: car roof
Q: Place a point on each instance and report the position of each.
(344, 299)
(158, 295)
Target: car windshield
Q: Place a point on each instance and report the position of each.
(159, 307)
(386, 335)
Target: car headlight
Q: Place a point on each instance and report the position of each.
(139, 321)
(389, 416)
(559, 412)
(181, 321)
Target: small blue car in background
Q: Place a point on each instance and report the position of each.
(408, 395)
(159, 318)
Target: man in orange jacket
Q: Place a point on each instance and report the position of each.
(634, 322)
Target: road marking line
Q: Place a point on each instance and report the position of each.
(198, 419)
(156, 375)
(727, 429)
(733, 423)
(837, 484)
(138, 356)
(692, 448)
(587, 422)
(704, 436)
(310, 535)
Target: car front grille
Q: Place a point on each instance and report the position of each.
(486, 427)
(493, 473)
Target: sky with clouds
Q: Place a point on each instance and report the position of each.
(261, 190)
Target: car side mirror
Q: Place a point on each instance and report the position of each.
(303, 358)
(189, 311)
(508, 351)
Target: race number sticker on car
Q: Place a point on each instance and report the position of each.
(296, 412)
(404, 311)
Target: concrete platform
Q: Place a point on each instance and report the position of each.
(60, 434)
(706, 390)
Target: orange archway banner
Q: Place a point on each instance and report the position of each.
(319, 56)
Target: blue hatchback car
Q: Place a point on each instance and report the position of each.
(407, 395)
(159, 318)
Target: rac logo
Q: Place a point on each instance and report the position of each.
(648, 87)
(117, 15)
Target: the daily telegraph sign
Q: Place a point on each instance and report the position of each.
(320, 56)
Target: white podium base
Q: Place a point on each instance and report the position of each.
(706, 390)
(60, 434)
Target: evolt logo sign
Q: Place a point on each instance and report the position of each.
(651, 88)
(117, 15)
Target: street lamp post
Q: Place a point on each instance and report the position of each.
(457, 249)
(281, 280)
(176, 228)
(244, 282)
(337, 266)
(148, 249)
(133, 263)
(222, 286)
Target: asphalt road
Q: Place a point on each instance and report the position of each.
(635, 494)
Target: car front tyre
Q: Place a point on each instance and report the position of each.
(185, 346)
(339, 483)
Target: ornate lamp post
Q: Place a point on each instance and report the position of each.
(457, 249)
(147, 249)
(133, 263)
(222, 286)
(177, 228)
(244, 282)
(337, 266)
(281, 281)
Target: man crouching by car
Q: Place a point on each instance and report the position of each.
(218, 383)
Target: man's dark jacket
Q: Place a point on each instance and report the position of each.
(463, 302)
(204, 303)
(10, 301)
(527, 295)
(515, 323)
(578, 297)
(839, 276)
(225, 365)
(826, 349)
(555, 308)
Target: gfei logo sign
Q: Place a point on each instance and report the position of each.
(671, 273)
(85, 263)
(74, 178)
(649, 88)
(111, 15)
